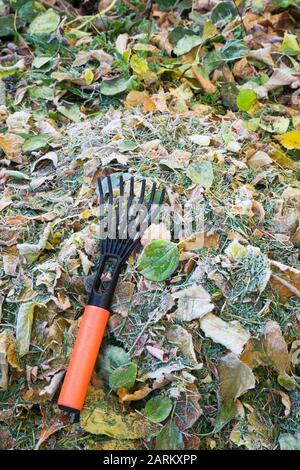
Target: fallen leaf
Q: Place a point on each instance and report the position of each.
(183, 340)
(290, 140)
(230, 334)
(12, 144)
(276, 347)
(193, 302)
(140, 98)
(285, 280)
(236, 378)
(6, 200)
(124, 395)
(111, 421)
(3, 361)
(32, 251)
(24, 326)
(259, 160)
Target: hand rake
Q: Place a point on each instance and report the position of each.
(123, 220)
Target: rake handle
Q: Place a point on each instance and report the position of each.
(83, 358)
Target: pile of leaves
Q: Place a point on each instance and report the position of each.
(203, 342)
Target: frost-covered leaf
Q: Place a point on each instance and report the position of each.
(231, 334)
(169, 438)
(183, 340)
(289, 442)
(201, 173)
(158, 408)
(193, 302)
(44, 23)
(159, 260)
(236, 378)
(24, 326)
(123, 376)
(32, 251)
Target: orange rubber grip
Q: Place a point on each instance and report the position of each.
(83, 357)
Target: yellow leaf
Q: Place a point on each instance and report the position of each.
(140, 67)
(282, 159)
(88, 76)
(290, 140)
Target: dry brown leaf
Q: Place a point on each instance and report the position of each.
(11, 145)
(156, 232)
(121, 43)
(140, 98)
(206, 84)
(200, 240)
(286, 401)
(183, 340)
(124, 395)
(236, 378)
(6, 200)
(231, 334)
(3, 361)
(285, 280)
(57, 423)
(193, 302)
(10, 264)
(276, 347)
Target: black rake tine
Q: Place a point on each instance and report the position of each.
(142, 193)
(162, 197)
(101, 193)
(121, 185)
(131, 191)
(152, 196)
(110, 190)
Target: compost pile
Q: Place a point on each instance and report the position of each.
(203, 342)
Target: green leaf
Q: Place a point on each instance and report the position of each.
(113, 357)
(35, 142)
(41, 91)
(158, 409)
(224, 12)
(44, 23)
(245, 99)
(187, 43)
(287, 382)
(17, 175)
(201, 173)
(73, 113)
(6, 26)
(116, 86)
(127, 145)
(288, 442)
(159, 260)
(289, 43)
(123, 376)
(165, 4)
(169, 438)
(24, 326)
(29, 11)
(38, 62)
(226, 413)
(233, 50)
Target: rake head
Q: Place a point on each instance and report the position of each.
(125, 214)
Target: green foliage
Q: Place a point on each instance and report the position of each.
(158, 409)
(159, 260)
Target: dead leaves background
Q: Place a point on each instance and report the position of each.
(218, 337)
